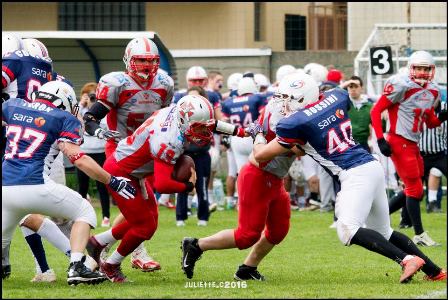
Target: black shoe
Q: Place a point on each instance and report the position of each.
(404, 225)
(432, 207)
(248, 273)
(190, 254)
(6, 271)
(79, 273)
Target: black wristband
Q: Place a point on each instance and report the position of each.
(190, 186)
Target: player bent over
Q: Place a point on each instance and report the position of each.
(36, 133)
(160, 140)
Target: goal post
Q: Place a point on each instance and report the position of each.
(403, 40)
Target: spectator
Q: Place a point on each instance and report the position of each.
(93, 146)
(359, 112)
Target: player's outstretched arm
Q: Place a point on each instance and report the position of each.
(86, 164)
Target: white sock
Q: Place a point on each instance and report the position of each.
(432, 195)
(164, 198)
(105, 237)
(51, 232)
(76, 256)
(211, 199)
(115, 259)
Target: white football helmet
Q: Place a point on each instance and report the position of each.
(196, 76)
(232, 81)
(247, 86)
(317, 71)
(283, 71)
(421, 59)
(36, 48)
(11, 43)
(59, 93)
(142, 48)
(261, 81)
(196, 119)
(294, 92)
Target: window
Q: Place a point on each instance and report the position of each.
(102, 16)
(295, 32)
(259, 21)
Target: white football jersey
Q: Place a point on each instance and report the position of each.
(159, 137)
(412, 104)
(130, 103)
(280, 164)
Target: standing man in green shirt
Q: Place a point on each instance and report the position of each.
(360, 111)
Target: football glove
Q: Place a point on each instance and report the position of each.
(122, 187)
(253, 129)
(225, 141)
(107, 134)
(384, 147)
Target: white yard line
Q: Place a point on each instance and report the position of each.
(433, 295)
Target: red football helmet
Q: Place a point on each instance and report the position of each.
(142, 59)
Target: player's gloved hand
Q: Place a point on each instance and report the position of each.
(253, 129)
(5, 96)
(107, 134)
(122, 186)
(384, 147)
(443, 115)
(225, 141)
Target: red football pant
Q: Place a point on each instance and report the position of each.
(141, 213)
(409, 164)
(263, 203)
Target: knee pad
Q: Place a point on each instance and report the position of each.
(346, 232)
(246, 239)
(435, 172)
(413, 187)
(86, 213)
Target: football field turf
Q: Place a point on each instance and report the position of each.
(309, 263)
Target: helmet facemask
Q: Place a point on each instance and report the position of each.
(200, 133)
(288, 104)
(144, 71)
(422, 77)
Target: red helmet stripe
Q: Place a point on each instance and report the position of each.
(147, 45)
(210, 109)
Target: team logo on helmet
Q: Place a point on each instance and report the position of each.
(339, 113)
(297, 84)
(39, 122)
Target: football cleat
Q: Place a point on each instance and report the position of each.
(190, 254)
(6, 271)
(140, 259)
(410, 267)
(48, 276)
(105, 222)
(248, 273)
(79, 273)
(439, 277)
(113, 272)
(424, 240)
(94, 249)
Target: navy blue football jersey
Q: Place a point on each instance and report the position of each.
(33, 131)
(243, 110)
(323, 130)
(28, 72)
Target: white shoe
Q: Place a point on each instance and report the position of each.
(424, 240)
(212, 207)
(140, 259)
(202, 223)
(334, 225)
(105, 222)
(48, 276)
(180, 223)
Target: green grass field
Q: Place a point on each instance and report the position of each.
(309, 263)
